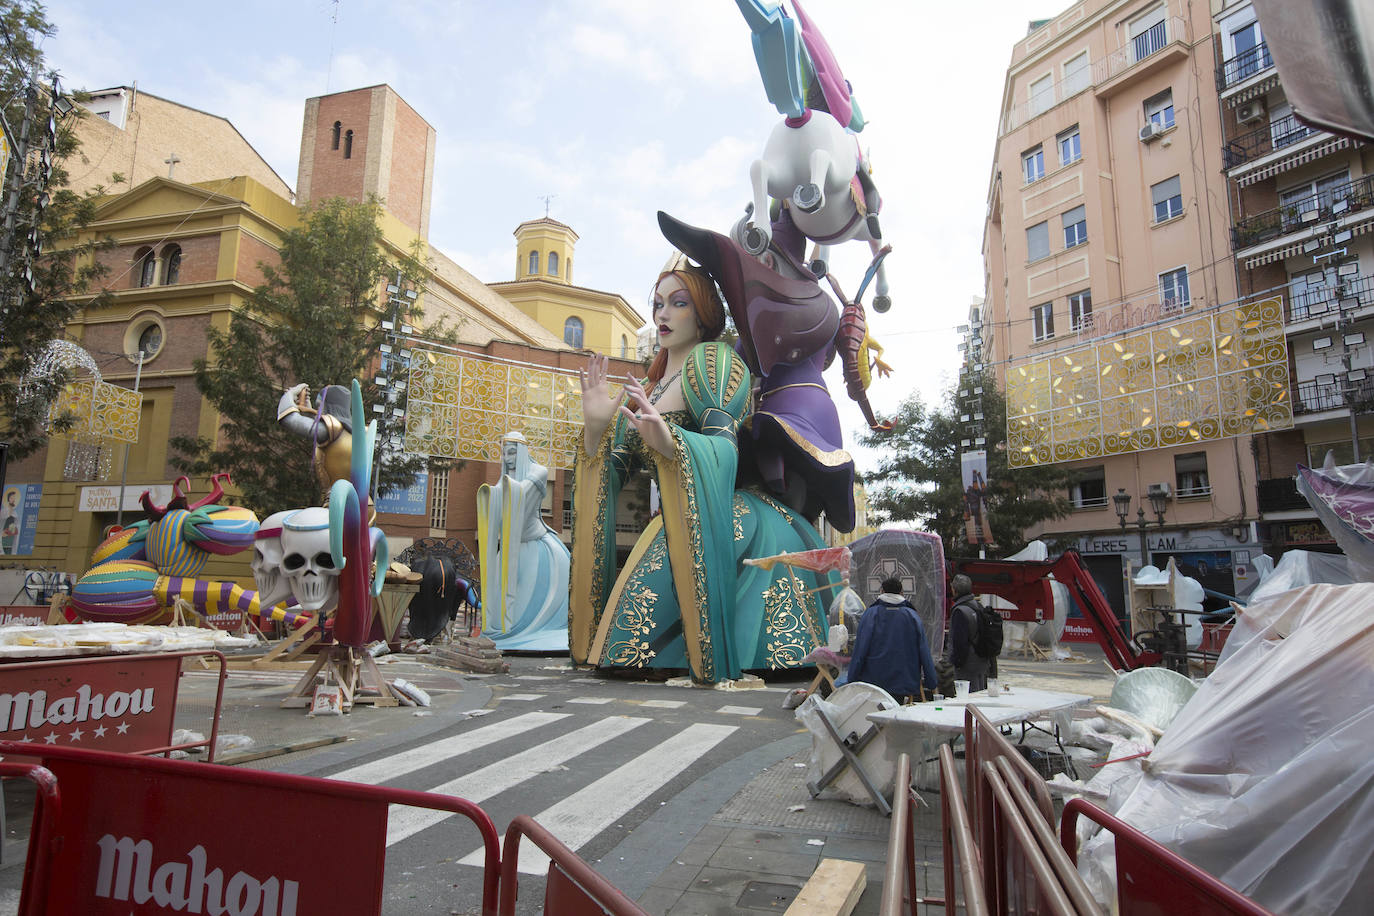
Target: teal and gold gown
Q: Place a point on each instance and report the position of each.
(685, 599)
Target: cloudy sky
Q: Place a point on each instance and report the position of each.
(619, 108)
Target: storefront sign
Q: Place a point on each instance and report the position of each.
(106, 499)
(1165, 541)
(1298, 533)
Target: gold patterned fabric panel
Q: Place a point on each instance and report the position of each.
(101, 410)
(785, 606)
(634, 613)
(1195, 379)
(460, 405)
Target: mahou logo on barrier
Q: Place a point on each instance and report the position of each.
(149, 837)
(129, 870)
(124, 706)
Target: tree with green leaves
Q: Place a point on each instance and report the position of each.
(46, 267)
(315, 319)
(919, 477)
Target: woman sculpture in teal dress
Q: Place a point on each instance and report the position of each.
(685, 599)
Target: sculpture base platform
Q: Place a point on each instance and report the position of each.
(356, 673)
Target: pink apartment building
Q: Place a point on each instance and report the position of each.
(1148, 186)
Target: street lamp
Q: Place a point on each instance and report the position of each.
(1158, 498)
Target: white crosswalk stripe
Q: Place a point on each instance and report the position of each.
(577, 819)
(396, 766)
(509, 773)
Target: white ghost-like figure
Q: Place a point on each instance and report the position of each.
(273, 586)
(306, 560)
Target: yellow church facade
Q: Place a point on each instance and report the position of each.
(585, 319)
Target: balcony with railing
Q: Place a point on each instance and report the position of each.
(1280, 494)
(1335, 391)
(1277, 134)
(1145, 47)
(1243, 66)
(1325, 301)
(1302, 214)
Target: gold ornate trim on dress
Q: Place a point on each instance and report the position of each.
(772, 391)
(646, 540)
(832, 459)
(586, 580)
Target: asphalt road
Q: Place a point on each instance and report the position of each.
(629, 772)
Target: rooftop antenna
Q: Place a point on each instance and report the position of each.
(333, 30)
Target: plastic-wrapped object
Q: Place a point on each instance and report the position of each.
(846, 610)
(1296, 568)
(1265, 779)
(847, 709)
(1153, 695)
(1343, 498)
(917, 558)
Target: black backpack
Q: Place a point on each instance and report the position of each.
(987, 642)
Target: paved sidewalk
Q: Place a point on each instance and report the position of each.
(762, 843)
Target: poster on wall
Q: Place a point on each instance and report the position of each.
(974, 466)
(19, 518)
(410, 501)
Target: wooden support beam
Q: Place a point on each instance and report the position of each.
(833, 890)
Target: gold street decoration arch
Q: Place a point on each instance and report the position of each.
(1195, 379)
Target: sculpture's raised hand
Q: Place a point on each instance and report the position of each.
(598, 404)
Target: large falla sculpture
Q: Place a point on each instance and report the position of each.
(743, 472)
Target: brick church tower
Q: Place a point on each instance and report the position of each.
(368, 141)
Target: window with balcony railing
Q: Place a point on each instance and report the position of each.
(1244, 65)
(1301, 207)
(1150, 41)
(1081, 311)
(1089, 491)
(1190, 475)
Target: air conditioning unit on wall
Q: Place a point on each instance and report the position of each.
(1149, 132)
(1250, 111)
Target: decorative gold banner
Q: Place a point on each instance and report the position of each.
(459, 406)
(102, 410)
(1195, 379)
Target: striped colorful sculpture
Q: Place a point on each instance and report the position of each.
(138, 573)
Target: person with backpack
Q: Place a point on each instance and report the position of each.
(975, 636)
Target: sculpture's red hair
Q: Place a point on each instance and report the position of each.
(705, 303)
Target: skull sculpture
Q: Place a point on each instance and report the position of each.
(273, 586)
(307, 561)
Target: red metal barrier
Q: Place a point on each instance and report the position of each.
(43, 844)
(958, 840)
(899, 874)
(124, 703)
(134, 829)
(573, 888)
(1017, 876)
(982, 743)
(1150, 878)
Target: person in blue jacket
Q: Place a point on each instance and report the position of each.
(890, 649)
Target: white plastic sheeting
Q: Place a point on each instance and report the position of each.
(847, 709)
(1266, 778)
(1295, 569)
